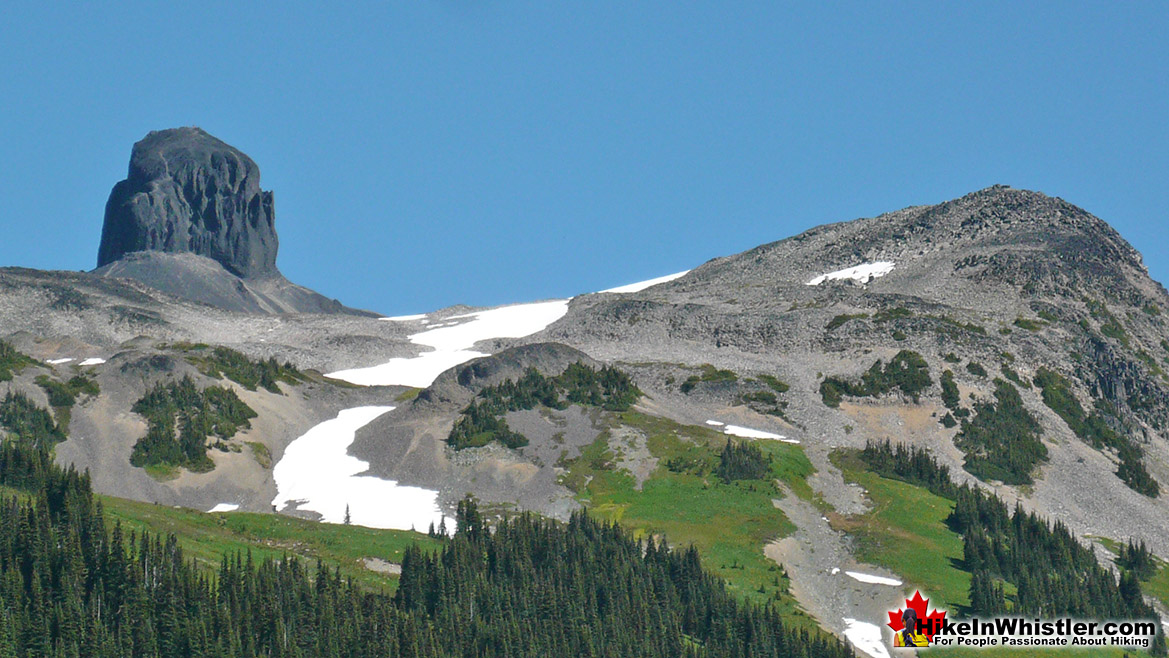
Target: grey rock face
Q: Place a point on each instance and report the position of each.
(190, 192)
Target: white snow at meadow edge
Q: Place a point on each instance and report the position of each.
(861, 273)
(866, 637)
(319, 475)
(93, 361)
(873, 580)
(452, 344)
(749, 433)
(223, 507)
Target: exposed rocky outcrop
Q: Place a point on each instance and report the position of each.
(191, 220)
(190, 192)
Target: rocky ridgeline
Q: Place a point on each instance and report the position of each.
(1011, 279)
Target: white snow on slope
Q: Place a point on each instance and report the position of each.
(866, 637)
(405, 318)
(873, 580)
(55, 362)
(318, 472)
(749, 433)
(861, 273)
(715, 423)
(642, 285)
(94, 361)
(223, 507)
(452, 344)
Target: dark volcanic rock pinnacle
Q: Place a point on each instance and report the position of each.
(190, 192)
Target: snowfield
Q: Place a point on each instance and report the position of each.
(861, 273)
(452, 344)
(405, 318)
(866, 637)
(642, 285)
(57, 362)
(873, 580)
(94, 361)
(318, 474)
(223, 507)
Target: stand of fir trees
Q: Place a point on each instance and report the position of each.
(907, 371)
(71, 586)
(741, 460)
(180, 418)
(482, 421)
(1055, 575)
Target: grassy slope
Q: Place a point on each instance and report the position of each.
(206, 537)
(729, 524)
(905, 532)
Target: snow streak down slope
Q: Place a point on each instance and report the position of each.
(317, 474)
(452, 344)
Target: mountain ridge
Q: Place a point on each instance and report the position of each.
(999, 290)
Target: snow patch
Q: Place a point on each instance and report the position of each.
(861, 273)
(319, 475)
(835, 570)
(94, 361)
(223, 507)
(405, 318)
(865, 637)
(451, 344)
(715, 423)
(748, 433)
(642, 285)
(55, 362)
(873, 580)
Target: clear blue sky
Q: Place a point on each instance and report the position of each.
(426, 153)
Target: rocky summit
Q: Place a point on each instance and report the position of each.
(191, 220)
(190, 192)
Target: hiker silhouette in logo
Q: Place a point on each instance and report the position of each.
(908, 636)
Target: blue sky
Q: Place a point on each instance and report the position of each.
(426, 153)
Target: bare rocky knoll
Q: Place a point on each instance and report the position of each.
(409, 444)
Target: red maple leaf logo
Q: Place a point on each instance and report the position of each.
(930, 622)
